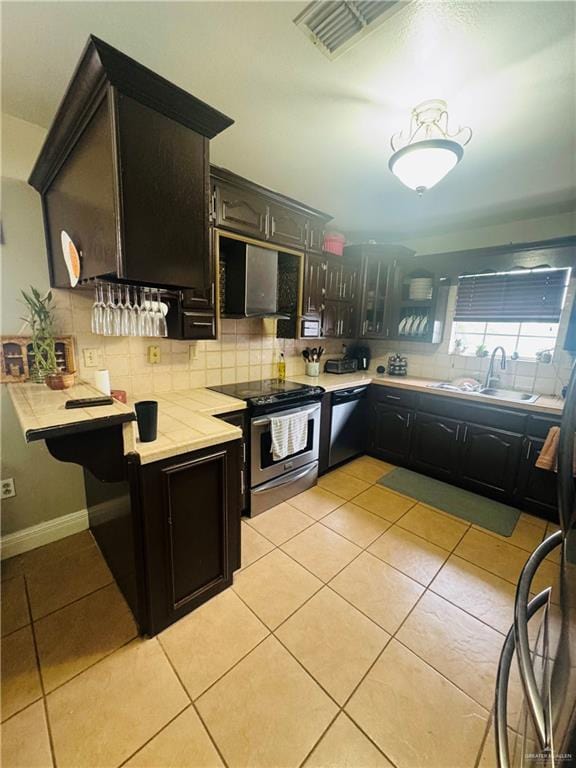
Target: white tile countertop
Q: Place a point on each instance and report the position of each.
(186, 422)
(186, 419)
(42, 411)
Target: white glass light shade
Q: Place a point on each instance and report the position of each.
(423, 164)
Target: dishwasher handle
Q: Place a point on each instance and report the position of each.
(346, 395)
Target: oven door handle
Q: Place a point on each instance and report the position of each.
(285, 480)
(262, 422)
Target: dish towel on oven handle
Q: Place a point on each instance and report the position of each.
(289, 434)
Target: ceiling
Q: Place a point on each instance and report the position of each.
(319, 130)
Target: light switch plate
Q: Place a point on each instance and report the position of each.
(153, 354)
(92, 358)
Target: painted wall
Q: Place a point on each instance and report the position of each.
(45, 488)
(516, 231)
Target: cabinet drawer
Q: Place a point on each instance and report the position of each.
(464, 410)
(198, 326)
(394, 396)
(538, 426)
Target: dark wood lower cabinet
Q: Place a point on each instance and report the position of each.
(538, 487)
(435, 445)
(391, 432)
(463, 443)
(190, 511)
(490, 461)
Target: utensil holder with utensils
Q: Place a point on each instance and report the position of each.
(312, 369)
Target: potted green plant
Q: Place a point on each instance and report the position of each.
(41, 321)
(481, 350)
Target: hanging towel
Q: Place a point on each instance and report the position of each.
(548, 458)
(289, 434)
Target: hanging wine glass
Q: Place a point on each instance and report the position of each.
(162, 327)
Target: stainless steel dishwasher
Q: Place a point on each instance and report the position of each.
(348, 426)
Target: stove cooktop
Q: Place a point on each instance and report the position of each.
(268, 391)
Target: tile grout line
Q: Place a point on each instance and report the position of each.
(41, 679)
(272, 633)
(76, 599)
(169, 660)
(391, 635)
(132, 754)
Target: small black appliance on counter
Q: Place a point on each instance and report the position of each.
(362, 355)
(341, 365)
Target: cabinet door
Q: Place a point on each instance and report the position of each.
(287, 227)
(374, 320)
(538, 487)
(333, 281)
(349, 282)
(315, 239)
(241, 211)
(331, 319)
(391, 432)
(192, 522)
(314, 285)
(164, 219)
(347, 320)
(490, 460)
(435, 445)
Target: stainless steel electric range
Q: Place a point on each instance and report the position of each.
(274, 481)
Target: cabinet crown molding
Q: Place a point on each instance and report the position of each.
(102, 67)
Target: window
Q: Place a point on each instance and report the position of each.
(518, 310)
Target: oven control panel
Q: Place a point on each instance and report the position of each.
(286, 398)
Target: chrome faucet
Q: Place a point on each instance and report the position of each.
(490, 374)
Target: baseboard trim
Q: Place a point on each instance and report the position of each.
(43, 533)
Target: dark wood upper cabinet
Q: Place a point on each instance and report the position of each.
(378, 263)
(242, 206)
(240, 210)
(124, 171)
(287, 227)
(314, 285)
(333, 279)
(315, 234)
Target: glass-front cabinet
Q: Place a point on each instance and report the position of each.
(378, 265)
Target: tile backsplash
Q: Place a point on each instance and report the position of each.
(247, 349)
(436, 362)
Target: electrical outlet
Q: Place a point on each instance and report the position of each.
(193, 352)
(153, 354)
(8, 489)
(91, 358)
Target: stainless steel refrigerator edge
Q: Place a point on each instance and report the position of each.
(545, 734)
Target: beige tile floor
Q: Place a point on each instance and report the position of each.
(363, 630)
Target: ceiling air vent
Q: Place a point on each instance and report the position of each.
(334, 26)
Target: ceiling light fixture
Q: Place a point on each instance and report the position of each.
(430, 151)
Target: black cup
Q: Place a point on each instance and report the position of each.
(147, 418)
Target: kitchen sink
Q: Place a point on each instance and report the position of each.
(508, 394)
(500, 394)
